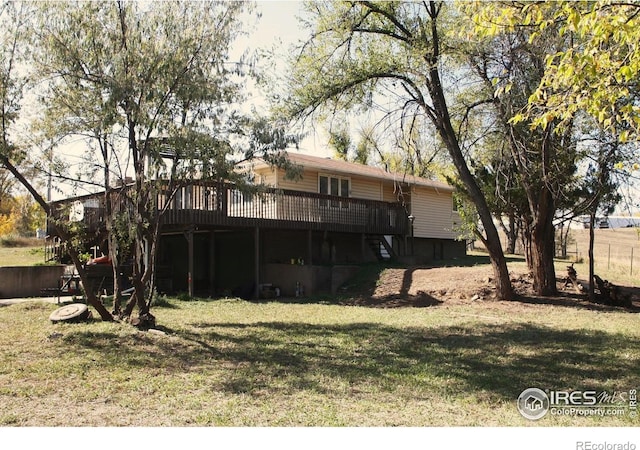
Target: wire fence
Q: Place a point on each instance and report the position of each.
(625, 259)
(616, 252)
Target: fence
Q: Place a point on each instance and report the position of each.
(622, 258)
(616, 252)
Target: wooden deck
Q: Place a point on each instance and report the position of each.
(223, 205)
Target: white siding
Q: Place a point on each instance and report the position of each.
(360, 187)
(392, 193)
(366, 189)
(433, 212)
(267, 177)
(308, 183)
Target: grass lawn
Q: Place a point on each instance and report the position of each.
(21, 256)
(236, 363)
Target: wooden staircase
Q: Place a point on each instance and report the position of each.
(380, 247)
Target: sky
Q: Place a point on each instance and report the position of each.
(279, 28)
(278, 21)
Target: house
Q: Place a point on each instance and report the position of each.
(303, 236)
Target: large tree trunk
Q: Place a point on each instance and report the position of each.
(491, 239)
(499, 266)
(442, 121)
(543, 247)
(511, 232)
(592, 222)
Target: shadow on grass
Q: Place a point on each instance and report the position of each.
(574, 301)
(284, 358)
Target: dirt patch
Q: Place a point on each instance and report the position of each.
(423, 287)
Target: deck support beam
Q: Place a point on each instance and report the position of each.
(212, 263)
(191, 261)
(256, 240)
(309, 247)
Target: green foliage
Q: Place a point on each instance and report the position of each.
(267, 141)
(355, 53)
(389, 57)
(151, 86)
(597, 74)
(340, 141)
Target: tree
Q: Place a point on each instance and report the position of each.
(152, 89)
(340, 140)
(599, 73)
(15, 22)
(511, 68)
(12, 25)
(344, 146)
(152, 86)
(588, 65)
(596, 74)
(397, 49)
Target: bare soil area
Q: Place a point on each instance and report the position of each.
(431, 286)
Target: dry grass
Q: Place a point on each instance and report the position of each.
(616, 253)
(21, 251)
(237, 363)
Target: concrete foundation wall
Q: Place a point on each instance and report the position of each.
(281, 247)
(313, 279)
(28, 281)
(427, 250)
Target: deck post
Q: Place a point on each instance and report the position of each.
(256, 241)
(212, 263)
(309, 247)
(191, 263)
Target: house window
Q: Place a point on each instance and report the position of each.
(336, 186)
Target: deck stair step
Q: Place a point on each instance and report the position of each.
(380, 247)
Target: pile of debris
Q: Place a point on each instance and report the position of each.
(605, 292)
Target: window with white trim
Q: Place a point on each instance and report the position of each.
(332, 185)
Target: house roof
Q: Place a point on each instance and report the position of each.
(349, 168)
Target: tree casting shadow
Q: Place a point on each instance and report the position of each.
(290, 357)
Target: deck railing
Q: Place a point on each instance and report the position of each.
(221, 204)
